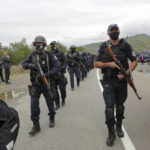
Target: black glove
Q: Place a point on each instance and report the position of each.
(33, 66)
(63, 71)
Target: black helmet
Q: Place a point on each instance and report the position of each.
(111, 26)
(72, 47)
(40, 39)
(53, 42)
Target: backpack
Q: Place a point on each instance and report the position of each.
(9, 126)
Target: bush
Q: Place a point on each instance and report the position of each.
(18, 69)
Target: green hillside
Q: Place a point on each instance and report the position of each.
(92, 48)
(139, 43)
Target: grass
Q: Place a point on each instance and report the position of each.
(17, 71)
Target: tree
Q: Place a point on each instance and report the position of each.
(19, 51)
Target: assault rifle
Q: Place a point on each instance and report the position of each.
(79, 63)
(43, 77)
(127, 77)
(73, 62)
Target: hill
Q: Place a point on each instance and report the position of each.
(139, 42)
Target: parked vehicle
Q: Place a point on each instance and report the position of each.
(146, 58)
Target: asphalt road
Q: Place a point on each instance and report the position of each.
(80, 124)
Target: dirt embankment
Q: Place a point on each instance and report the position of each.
(17, 83)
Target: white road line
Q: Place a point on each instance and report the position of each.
(126, 141)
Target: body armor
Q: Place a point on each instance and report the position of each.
(60, 57)
(34, 74)
(120, 53)
(72, 59)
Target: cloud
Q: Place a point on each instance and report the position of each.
(136, 27)
(71, 22)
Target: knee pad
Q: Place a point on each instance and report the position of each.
(109, 113)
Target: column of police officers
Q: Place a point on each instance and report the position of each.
(53, 64)
(79, 64)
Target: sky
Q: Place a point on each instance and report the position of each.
(71, 22)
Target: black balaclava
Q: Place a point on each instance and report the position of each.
(39, 48)
(114, 35)
(54, 49)
(73, 50)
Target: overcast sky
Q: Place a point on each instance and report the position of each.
(75, 22)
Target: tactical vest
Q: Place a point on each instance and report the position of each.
(72, 55)
(60, 57)
(72, 58)
(34, 74)
(121, 54)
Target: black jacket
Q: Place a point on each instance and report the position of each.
(6, 62)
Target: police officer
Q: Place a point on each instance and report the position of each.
(50, 67)
(73, 60)
(60, 79)
(83, 65)
(115, 86)
(6, 66)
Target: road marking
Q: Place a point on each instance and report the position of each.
(126, 141)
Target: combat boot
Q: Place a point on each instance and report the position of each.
(119, 131)
(82, 78)
(52, 121)
(111, 136)
(57, 107)
(63, 102)
(36, 127)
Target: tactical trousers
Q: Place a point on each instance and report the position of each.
(83, 72)
(60, 84)
(7, 74)
(37, 90)
(1, 74)
(115, 94)
(74, 70)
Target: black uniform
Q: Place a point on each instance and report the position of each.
(60, 79)
(6, 66)
(115, 90)
(73, 60)
(50, 67)
(83, 65)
